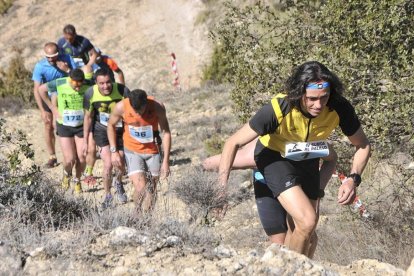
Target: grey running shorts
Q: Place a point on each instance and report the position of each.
(142, 162)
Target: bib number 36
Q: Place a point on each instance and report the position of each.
(142, 134)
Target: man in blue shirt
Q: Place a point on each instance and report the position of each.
(77, 46)
(52, 67)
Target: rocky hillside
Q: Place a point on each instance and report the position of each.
(140, 35)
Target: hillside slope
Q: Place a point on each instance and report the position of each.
(140, 35)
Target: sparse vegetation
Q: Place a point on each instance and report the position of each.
(5, 5)
(16, 84)
(214, 144)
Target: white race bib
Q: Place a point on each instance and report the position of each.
(79, 62)
(72, 118)
(142, 134)
(306, 150)
(104, 119)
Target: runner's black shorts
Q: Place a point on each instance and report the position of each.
(271, 213)
(100, 135)
(281, 173)
(68, 131)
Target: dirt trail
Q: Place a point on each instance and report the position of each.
(140, 35)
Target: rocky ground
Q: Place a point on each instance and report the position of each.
(140, 35)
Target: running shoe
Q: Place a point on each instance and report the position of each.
(90, 180)
(107, 203)
(78, 187)
(120, 191)
(51, 163)
(66, 182)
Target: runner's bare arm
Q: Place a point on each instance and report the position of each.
(240, 138)
(121, 76)
(166, 139)
(38, 99)
(87, 122)
(346, 191)
(43, 95)
(92, 56)
(327, 168)
(116, 115)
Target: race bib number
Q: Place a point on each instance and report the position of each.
(299, 151)
(72, 118)
(79, 62)
(104, 119)
(143, 134)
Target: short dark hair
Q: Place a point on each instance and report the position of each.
(69, 29)
(138, 99)
(77, 75)
(311, 71)
(102, 72)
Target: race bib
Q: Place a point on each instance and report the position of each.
(72, 118)
(79, 62)
(104, 118)
(299, 151)
(143, 134)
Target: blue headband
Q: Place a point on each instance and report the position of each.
(318, 85)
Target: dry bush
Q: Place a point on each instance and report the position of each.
(388, 193)
(200, 191)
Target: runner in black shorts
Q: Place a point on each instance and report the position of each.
(67, 97)
(292, 130)
(99, 101)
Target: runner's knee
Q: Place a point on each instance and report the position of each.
(306, 223)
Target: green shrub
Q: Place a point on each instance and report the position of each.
(15, 83)
(260, 45)
(5, 5)
(214, 144)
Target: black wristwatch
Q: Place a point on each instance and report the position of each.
(357, 178)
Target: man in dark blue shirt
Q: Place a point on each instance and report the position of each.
(77, 46)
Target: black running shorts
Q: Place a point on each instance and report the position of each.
(100, 135)
(68, 131)
(271, 212)
(281, 173)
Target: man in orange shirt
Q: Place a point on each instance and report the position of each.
(104, 61)
(144, 118)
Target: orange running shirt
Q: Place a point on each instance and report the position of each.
(139, 129)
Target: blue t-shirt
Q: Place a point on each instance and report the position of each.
(44, 72)
(79, 49)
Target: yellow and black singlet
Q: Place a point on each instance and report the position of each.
(278, 123)
(101, 105)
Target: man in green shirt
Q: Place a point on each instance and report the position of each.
(98, 103)
(66, 102)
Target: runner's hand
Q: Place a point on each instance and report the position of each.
(116, 160)
(85, 149)
(220, 212)
(346, 193)
(165, 170)
(45, 116)
(62, 66)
